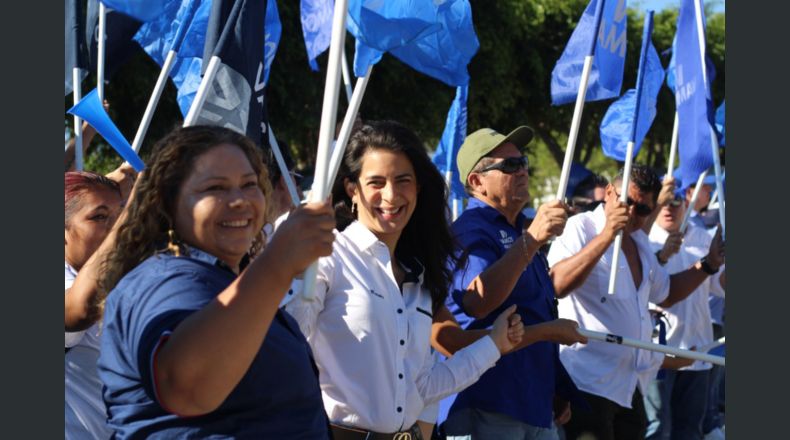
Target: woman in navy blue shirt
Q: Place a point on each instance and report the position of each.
(192, 345)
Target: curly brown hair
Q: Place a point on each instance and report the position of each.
(150, 213)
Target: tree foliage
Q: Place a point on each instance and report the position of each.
(520, 41)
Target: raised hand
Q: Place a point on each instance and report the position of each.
(507, 330)
(305, 236)
(671, 246)
(549, 221)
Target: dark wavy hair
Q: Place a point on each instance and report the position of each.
(426, 237)
(645, 179)
(151, 212)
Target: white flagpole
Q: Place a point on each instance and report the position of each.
(577, 117)
(346, 76)
(78, 159)
(694, 196)
(715, 344)
(320, 190)
(673, 149)
(618, 240)
(202, 93)
(345, 129)
(101, 50)
(636, 343)
(286, 173)
(713, 198)
(153, 101)
(714, 141)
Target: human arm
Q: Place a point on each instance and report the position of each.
(447, 336)
(488, 290)
(665, 195)
(196, 368)
(682, 284)
(676, 363)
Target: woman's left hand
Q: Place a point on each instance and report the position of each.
(508, 330)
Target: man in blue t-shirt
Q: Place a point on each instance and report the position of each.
(500, 265)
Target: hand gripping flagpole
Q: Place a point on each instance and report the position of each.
(629, 155)
(714, 141)
(636, 343)
(167, 66)
(694, 196)
(345, 129)
(320, 189)
(101, 51)
(577, 110)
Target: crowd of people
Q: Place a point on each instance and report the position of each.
(187, 312)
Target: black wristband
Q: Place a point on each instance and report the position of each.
(706, 267)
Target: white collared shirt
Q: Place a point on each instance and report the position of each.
(372, 344)
(689, 321)
(609, 370)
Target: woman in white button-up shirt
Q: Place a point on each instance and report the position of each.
(369, 323)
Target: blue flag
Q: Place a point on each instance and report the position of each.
(452, 138)
(316, 17)
(273, 30)
(711, 69)
(606, 74)
(235, 99)
(617, 126)
(720, 123)
(382, 26)
(692, 96)
(142, 10)
(91, 110)
(445, 54)
(75, 42)
(188, 19)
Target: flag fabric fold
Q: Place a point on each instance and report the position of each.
(618, 122)
(142, 10)
(720, 123)
(606, 75)
(90, 109)
(316, 18)
(452, 138)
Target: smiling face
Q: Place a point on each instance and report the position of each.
(90, 224)
(220, 206)
(385, 193)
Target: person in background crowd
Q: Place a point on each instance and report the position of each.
(500, 266)
(92, 204)
(370, 318)
(613, 377)
(194, 344)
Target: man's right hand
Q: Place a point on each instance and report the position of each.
(549, 222)
(562, 331)
(616, 217)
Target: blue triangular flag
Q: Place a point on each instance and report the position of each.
(452, 138)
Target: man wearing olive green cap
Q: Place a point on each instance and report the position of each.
(528, 389)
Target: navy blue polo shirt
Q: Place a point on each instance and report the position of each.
(278, 397)
(522, 384)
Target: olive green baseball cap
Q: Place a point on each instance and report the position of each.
(483, 141)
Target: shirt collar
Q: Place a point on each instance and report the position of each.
(492, 213)
(360, 235)
(201, 255)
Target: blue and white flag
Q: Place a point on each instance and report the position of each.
(617, 126)
(445, 54)
(606, 74)
(692, 95)
(235, 99)
(316, 17)
(382, 26)
(710, 68)
(90, 109)
(453, 136)
(720, 123)
(75, 43)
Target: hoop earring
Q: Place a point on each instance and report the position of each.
(172, 243)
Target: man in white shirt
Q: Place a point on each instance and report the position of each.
(614, 377)
(676, 403)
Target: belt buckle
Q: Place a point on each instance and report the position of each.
(406, 435)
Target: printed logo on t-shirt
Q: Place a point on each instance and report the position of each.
(506, 239)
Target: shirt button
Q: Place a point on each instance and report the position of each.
(400, 375)
(400, 310)
(290, 291)
(399, 409)
(402, 342)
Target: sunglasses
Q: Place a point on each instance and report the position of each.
(676, 201)
(509, 166)
(640, 209)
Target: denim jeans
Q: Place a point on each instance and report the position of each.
(475, 424)
(713, 418)
(675, 405)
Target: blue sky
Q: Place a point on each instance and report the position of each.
(658, 5)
